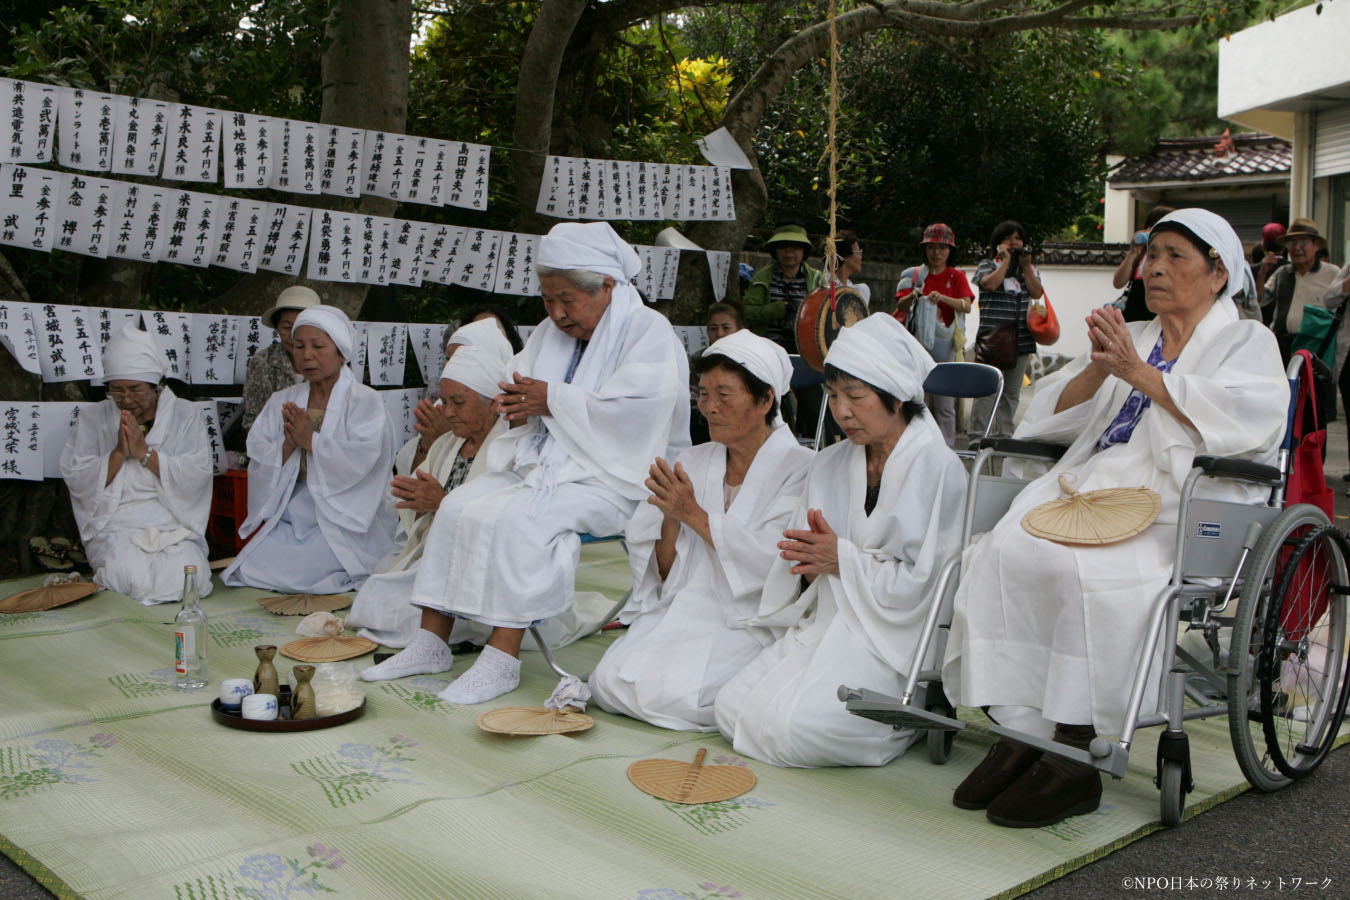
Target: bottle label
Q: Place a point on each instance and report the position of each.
(183, 648)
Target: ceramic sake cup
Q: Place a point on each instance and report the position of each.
(233, 691)
(259, 706)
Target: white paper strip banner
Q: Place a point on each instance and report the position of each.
(21, 441)
(400, 406)
(30, 119)
(646, 203)
(239, 234)
(140, 136)
(27, 207)
(343, 172)
(18, 334)
(192, 228)
(56, 420)
(214, 339)
(251, 155)
(588, 204)
(84, 127)
(557, 196)
(721, 196)
(109, 322)
(388, 347)
(374, 238)
(139, 222)
(297, 159)
(405, 254)
(229, 410)
(515, 270)
(440, 156)
(620, 177)
(442, 264)
(390, 177)
(253, 336)
(469, 169)
(359, 364)
(426, 344)
(211, 419)
(694, 338)
(194, 143)
(285, 238)
(172, 333)
(67, 344)
(84, 210)
(719, 268)
(670, 189)
(477, 267)
(333, 253)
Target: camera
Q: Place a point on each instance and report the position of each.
(1015, 254)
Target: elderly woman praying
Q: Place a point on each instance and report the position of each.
(138, 466)
(1047, 635)
(320, 455)
(597, 394)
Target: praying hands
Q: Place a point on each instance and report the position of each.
(522, 398)
(815, 552)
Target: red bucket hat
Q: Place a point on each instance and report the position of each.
(938, 233)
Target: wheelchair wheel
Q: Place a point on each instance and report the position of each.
(939, 739)
(1263, 570)
(1172, 792)
(1301, 672)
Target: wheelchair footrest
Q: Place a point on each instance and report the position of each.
(890, 711)
(1113, 763)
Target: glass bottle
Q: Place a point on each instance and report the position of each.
(189, 631)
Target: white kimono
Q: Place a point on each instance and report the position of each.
(1054, 632)
(860, 627)
(324, 533)
(141, 530)
(506, 546)
(688, 635)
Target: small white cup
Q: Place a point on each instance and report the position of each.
(233, 691)
(260, 706)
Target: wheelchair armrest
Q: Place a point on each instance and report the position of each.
(1241, 469)
(1034, 449)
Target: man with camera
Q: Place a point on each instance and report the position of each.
(1007, 283)
(1128, 274)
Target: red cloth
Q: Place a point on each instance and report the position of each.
(951, 282)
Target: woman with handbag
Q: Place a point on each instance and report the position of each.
(1008, 283)
(932, 300)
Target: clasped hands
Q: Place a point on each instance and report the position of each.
(420, 492)
(521, 398)
(1112, 344)
(430, 422)
(130, 439)
(298, 428)
(815, 551)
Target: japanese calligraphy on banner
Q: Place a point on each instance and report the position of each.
(477, 264)
(239, 234)
(252, 335)
(719, 268)
(54, 423)
(285, 236)
(18, 334)
(250, 143)
(332, 251)
(172, 333)
(374, 238)
(30, 117)
(426, 344)
(359, 364)
(194, 143)
(694, 338)
(211, 419)
(515, 270)
(387, 345)
(343, 171)
(297, 157)
(192, 230)
(139, 223)
(139, 137)
(405, 253)
(109, 322)
(211, 357)
(27, 206)
(400, 406)
(20, 441)
(387, 171)
(84, 127)
(469, 165)
(575, 188)
(441, 255)
(660, 265)
(84, 208)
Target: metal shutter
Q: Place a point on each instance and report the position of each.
(1331, 142)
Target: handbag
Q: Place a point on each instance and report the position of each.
(1307, 484)
(1042, 321)
(997, 346)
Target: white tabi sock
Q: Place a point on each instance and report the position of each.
(426, 654)
(495, 673)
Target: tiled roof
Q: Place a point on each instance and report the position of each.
(1193, 159)
(1080, 253)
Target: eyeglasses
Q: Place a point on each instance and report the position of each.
(139, 392)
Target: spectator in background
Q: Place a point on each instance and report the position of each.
(849, 264)
(1008, 282)
(1128, 274)
(1303, 280)
(272, 369)
(776, 291)
(1268, 256)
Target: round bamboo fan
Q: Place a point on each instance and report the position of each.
(327, 649)
(694, 782)
(49, 597)
(1096, 517)
(531, 720)
(304, 604)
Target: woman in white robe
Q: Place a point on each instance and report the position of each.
(847, 596)
(138, 466)
(597, 393)
(320, 456)
(701, 546)
(1048, 635)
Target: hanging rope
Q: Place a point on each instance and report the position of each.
(832, 151)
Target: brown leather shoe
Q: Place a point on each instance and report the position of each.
(1003, 765)
(1048, 792)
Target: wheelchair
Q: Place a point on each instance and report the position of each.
(1264, 587)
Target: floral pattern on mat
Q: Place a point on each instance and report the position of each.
(267, 876)
(148, 684)
(420, 694)
(356, 771)
(48, 762)
(246, 631)
(715, 818)
(707, 890)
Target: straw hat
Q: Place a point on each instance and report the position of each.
(297, 297)
(531, 720)
(1094, 518)
(1304, 228)
(681, 782)
(303, 604)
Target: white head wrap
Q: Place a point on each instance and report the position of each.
(482, 358)
(761, 357)
(334, 323)
(882, 352)
(590, 246)
(133, 355)
(1215, 231)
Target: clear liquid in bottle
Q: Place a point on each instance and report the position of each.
(189, 632)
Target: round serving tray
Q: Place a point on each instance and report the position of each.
(236, 720)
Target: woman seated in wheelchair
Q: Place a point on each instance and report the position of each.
(846, 597)
(1047, 635)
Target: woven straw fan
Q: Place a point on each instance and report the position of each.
(531, 720)
(327, 649)
(1094, 518)
(304, 604)
(694, 782)
(48, 597)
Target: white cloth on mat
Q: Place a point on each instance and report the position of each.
(347, 481)
(1058, 629)
(689, 634)
(138, 510)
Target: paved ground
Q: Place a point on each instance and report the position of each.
(1286, 845)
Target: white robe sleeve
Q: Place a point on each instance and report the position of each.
(269, 476)
(747, 548)
(349, 475)
(185, 471)
(84, 466)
